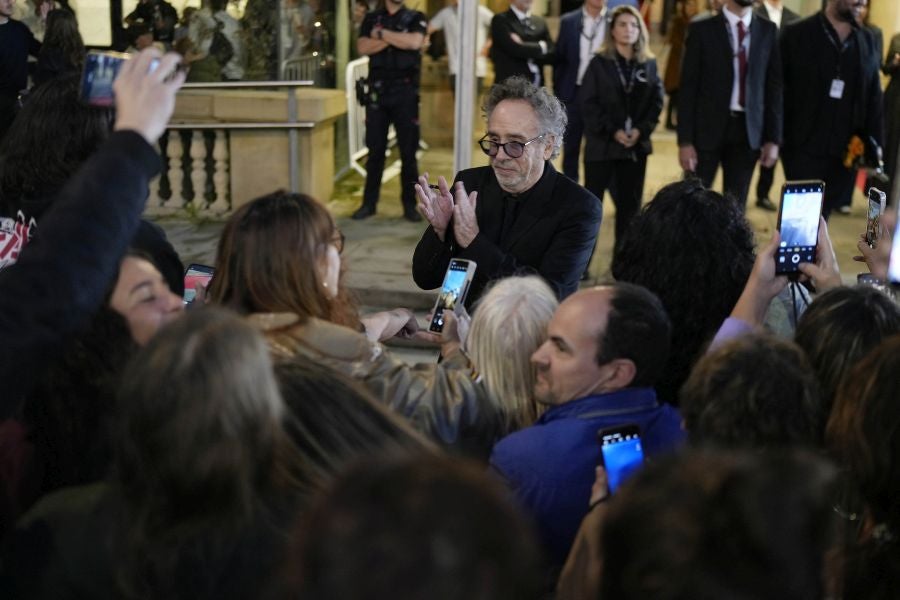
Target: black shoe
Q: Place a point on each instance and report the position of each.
(766, 204)
(412, 215)
(363, 212)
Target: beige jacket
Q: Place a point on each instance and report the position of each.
(445, 401)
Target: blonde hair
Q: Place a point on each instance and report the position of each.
(509, 325)
(642, 52)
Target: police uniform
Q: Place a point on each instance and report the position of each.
(393, 98)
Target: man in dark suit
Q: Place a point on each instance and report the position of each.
(521, 43)
(581, 32)
(730, 100)
(523, 216)
(832, 93)
(778, 13)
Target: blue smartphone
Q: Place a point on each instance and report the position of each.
(621, 453)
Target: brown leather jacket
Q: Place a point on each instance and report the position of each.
(445, 401)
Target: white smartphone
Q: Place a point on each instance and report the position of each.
(453, 293)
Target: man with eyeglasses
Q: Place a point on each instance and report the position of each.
(518, 214)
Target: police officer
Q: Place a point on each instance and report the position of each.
(392, 37)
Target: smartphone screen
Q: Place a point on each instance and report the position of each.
(100, 71)
(455, 285)
(192, 276)
(621, 452)
(798, 222)
(877, 201)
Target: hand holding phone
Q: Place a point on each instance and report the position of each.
(453, 292)
(196, 279)
(798, 224)
(621, 453)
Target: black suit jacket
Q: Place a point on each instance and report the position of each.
(807, 83)
(602, 103)
(553, 235)
(511, 58)
(707, 77)
(787, 15)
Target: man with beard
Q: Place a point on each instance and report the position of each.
(522, 215)
(605, 348)
(729, 102)
(832, 93)
(392, 37)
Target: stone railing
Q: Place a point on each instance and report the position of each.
(228, 143)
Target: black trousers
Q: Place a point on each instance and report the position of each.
(625, 181)
(838, 180)
(737, 158)
(397, 104)
(572, 141)
(764, 183)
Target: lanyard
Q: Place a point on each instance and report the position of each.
(626, 85)
(838, 45)
(598, 23)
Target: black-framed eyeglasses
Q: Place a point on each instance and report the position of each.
(512, 149)
(337, 239)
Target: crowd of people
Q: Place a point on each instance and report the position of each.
(264, 442)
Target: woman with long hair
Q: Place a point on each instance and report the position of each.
(863, 436)
(279, 262)
(63, 49)
(621, 98)
(204, 485)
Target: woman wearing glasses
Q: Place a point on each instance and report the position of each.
(279, 262)
(621, 98)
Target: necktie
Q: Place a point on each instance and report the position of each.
(526, 23)
(742, 64)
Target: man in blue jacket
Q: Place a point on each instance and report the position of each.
(606, 346)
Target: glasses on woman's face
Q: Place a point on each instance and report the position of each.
(337, 240)
(512, 149)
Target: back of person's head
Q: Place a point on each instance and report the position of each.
(62, 33)
(637, 328)
(270, 259)
(704, 526)
(201, 462)
(200, 416)
(840, 327)
(510, 323)
(334, 422)
(52, 135)
(417, 528)
(753, 392)
(694, 249)
(864, 435)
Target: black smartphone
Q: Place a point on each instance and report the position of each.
(798, 222)
(453, 292)
(877, 203)
(193, 275)
(100, 71)
(620, 452)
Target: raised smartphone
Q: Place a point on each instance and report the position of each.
(877, 203)
(453, 292)
(798, 222)
(193, 275)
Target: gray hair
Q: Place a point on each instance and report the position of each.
(550, 111)
(509, 325)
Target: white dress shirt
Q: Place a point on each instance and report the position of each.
(733, 20)
(774, 13)
(591, 36)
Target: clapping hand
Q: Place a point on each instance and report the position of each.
(435, 205)
(465, 224)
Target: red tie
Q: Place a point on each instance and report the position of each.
(742, 64)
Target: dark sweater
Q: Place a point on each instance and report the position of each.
(16, 43)
(63, 274)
